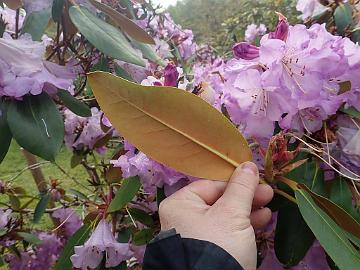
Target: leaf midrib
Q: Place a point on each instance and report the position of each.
(229, 160)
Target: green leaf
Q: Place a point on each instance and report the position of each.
(352, 112)
(41, 207)
(311, 175)
(142, 216)
(37, 125)
(341, 195)
(2, 262)
(124, 236)
(77, 239)
(148, 52)
(125, 194)
(105, 37)
(76, 160)
(343, 17)
(291, 228)
(143, 237)
(57, 10)
(355, 35)
(331, 237)
(338, 214)
(14, 202)
(119, 71)
(36, 23)
(5, 133)
(160, 195)
(124, 23)
(73, 104)
(30, 238)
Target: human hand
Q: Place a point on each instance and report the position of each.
(222, 213)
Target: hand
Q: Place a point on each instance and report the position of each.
(222, 213)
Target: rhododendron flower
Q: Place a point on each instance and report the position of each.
(4, 217)
(83, 132)
(171, 75)
(101, 241)
(152, 174)
(70, 221)
(9, 16)
(42, 256)
(245, 51)
(309, 8)
(23, 71)
(348, 135)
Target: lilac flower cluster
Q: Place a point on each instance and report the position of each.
(293, 78)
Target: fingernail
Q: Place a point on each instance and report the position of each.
(250, 168)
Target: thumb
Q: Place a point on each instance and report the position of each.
(239, 193)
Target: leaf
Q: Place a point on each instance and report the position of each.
(143, 237)
(73, 104)
(341, 195)
(148, 52)
(343, 17)
(311, 175)
(119, 71)
(352, 112)
(37, 125)
(339, 215)
(13, 4)
(57, 10)
(124, 236)
(113, 174)
(76, 160)
(125, 194)
(41, 207)
(2, 262)
(77, 239)
(14, 202)
(291, 228)
(36, 23)
(104, 36)
(160, 195)
(141, 216)
(355, 35)
(172, 126)
(5, 133)
(330, 236)
(124, 23)
(30, 238)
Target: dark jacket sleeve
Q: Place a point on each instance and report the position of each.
(169, 251)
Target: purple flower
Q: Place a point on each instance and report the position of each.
(42, 256)
(171, 75)
(9, 16)
(102, 240)
(70, 221)
(23, 71)
(4, 217)
(152, 174)
(282, 29)
(246, 51)
(83, 132)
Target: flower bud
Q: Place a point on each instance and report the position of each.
(246, 51)
(282, 29)
(171, 75)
